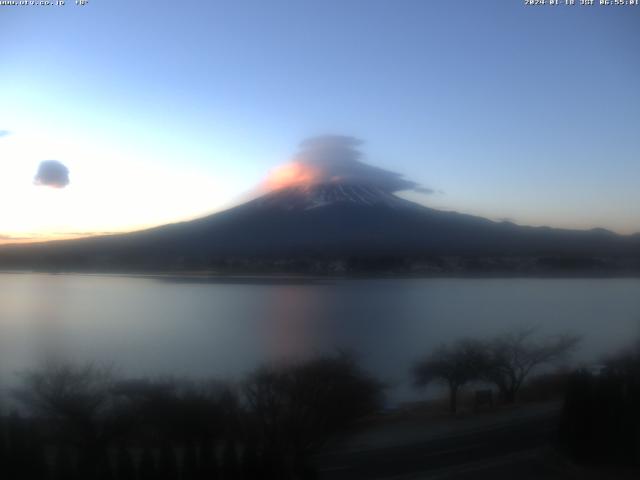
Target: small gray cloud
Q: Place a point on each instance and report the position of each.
(4, 133)
(52, 173)
(335, 159)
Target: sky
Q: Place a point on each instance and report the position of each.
(153, 111)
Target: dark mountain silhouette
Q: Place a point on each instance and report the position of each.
(335, 226)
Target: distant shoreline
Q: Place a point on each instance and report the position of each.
(292, 278)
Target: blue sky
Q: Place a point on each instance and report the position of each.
(165, 110)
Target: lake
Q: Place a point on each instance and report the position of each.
(149, 326)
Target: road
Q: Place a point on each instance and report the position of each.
(483, 453)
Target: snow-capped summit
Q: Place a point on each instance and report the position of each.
(308, 197)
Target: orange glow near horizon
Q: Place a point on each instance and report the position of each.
(36, 239)
(8, 240)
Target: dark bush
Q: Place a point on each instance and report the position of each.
(601, 416)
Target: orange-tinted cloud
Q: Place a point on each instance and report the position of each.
(290, 174)
(334, 159)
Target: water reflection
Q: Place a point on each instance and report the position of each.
(292, 320)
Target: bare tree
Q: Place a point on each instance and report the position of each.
(77, 393)
(454, 365)
(297, 408)
(78, 399)
(511, 357)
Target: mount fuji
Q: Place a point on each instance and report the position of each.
(337, 225)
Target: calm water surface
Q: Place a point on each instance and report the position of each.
(152, 326)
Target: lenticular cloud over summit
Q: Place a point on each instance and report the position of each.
(335, 159)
